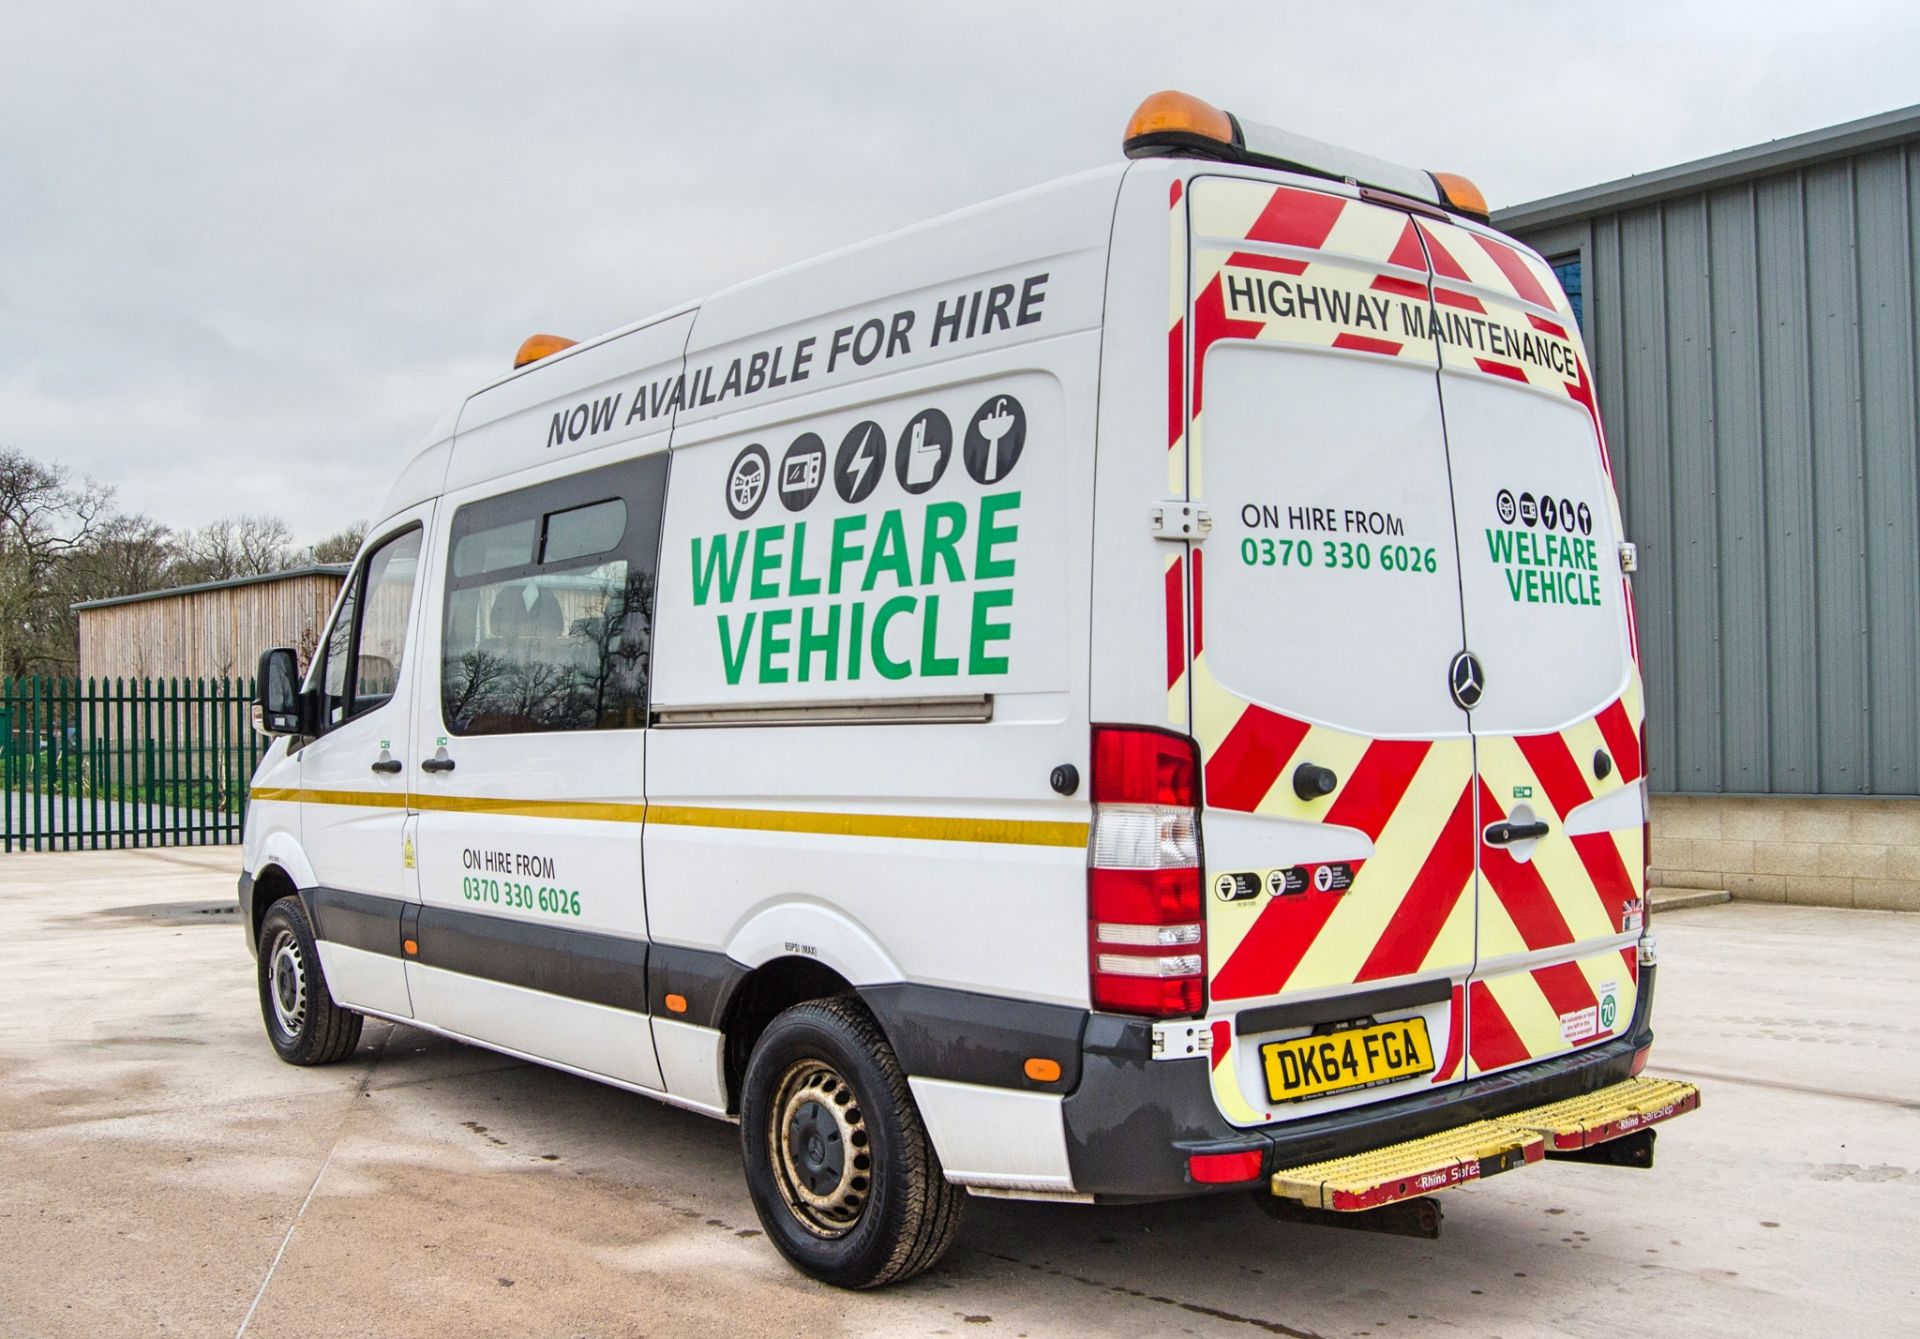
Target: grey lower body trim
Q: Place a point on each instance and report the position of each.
(936, 1032)
(987, 1039)
(358, 920)
(576, 964)
(703, 978)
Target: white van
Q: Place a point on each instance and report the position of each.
(1124, 691)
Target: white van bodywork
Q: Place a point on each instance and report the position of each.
(898, 532)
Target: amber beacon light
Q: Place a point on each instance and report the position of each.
(536, 347)
(1462, 194)
(1170, 121)
(1174, 124)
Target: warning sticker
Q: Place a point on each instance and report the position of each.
(1580, 1024)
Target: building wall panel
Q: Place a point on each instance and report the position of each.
(1733, 291)
(1888, 412)
(1755, 342)
(204, 634)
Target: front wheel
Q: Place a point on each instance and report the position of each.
(304, 1024)
(841, 1171)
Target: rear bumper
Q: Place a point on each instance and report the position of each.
(1133, 1121)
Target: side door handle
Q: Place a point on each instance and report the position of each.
(437, 765)
(1506, 834)
(387, 765)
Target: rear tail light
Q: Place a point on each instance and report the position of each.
(1146, 936)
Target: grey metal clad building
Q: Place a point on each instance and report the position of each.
(1754, 325)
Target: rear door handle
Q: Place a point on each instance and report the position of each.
(437, 765)
(388, 765)
(1506, 834)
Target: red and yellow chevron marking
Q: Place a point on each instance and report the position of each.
(1302, 267)
(1407, 910)
(1500, 312)
(1177, 344)
(1319, 271)
(1527, 1015)
(1574, 890)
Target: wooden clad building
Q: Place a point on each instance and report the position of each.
(212, 630)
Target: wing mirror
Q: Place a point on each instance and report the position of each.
(277, 711)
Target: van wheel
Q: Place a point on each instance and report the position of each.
(839, 1166)
(304, 1024)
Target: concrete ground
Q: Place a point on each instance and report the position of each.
(162, 1173)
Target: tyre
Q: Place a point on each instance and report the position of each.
(841, 1172)
(304, 1024)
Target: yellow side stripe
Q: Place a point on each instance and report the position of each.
(365, 799)
(606, 811)
(995, 831)
(1000, 831)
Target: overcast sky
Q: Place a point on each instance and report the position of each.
(250, 253)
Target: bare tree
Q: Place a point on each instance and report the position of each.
(45, 519)
(241, 546)
(127, 556)
(340, 546)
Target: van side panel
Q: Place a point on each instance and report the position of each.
(533, 921)
(1139, 600)
(904, 531)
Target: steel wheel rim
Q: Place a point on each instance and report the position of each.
(287, 983)
(822, 1156)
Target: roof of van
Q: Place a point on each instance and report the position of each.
(1056, 185)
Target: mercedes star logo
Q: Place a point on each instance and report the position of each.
(1466, 680)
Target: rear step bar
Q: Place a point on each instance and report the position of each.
(1485, 1148)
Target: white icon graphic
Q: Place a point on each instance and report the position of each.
(923, 457)
(749, 478)
(993, 427)
(802, 474)
(1323, 878)
(872, 448)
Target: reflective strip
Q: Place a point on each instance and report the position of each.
(1000, 831)
(366, 799)
(995, 831)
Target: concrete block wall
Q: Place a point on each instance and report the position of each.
(1810, 852)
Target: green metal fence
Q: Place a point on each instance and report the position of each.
(124, 762)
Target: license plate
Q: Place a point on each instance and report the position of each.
(1334, 1062)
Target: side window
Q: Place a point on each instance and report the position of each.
(367, 641)
(549, 611)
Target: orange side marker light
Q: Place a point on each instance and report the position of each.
(677, 1003)
(1042, 1070)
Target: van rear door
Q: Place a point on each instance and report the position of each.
(1557, 728)
(1338, 771)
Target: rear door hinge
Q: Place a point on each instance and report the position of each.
(1629, 558)
(1180, 520)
